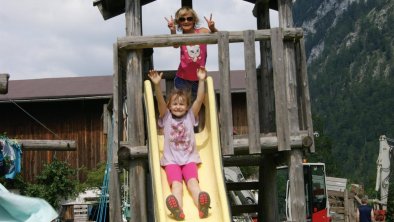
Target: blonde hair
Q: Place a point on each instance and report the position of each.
(179, 93)
(180, 12)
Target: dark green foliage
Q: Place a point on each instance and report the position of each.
(53, 184)
(94, 178)
(351, 85)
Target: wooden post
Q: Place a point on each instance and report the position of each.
(226, 114)
(268, 204)
(4, 83)
(268, 199)
(116, 131)
(135, 118)
(187, 3)
(296, 174)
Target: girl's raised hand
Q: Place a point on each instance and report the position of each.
(155, 76)
(210, 23)
(171, 23)
(201, 73)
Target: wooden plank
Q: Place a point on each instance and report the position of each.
(335, 193)
(346, 205)
(251, 93)
(282, 120)
(336, 184)
(226, 116)
(46, 145)
(339, 210)
(140, 42)
(116, 132)
(4, 83)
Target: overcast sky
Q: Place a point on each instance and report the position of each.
(66, 38)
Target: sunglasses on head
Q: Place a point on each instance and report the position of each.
(189, 19)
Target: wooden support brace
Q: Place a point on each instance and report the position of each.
(270, 142)
(128, 152)
(45, 145)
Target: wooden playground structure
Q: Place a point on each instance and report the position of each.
(278, 106)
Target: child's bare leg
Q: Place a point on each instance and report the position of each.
(201, 199)
(177, 191)
(194, 188)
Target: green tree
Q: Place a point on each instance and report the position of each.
(54, 183)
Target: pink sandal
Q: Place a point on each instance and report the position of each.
(173, 206)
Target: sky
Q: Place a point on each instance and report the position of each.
(69, 38)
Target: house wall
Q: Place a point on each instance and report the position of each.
(79, 120)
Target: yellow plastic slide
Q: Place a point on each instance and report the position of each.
(210, 171)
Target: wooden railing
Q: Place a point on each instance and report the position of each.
(290, 89)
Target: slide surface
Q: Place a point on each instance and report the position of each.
(210, 170)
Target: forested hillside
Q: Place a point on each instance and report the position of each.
(350, 49)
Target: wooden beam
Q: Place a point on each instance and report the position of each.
(140, 42)
(45, 145)
(271, 141)
(4, 83)
(128, 152)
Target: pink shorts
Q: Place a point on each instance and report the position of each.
(176, 172)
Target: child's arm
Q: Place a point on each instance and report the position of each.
(202, 74)
(156, 78)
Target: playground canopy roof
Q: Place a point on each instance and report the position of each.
(87, 87)
(112, 8)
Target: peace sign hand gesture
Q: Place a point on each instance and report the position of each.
(211, 23)
(171, 24)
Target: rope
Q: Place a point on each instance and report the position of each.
(101, 216)
(35, 119)
(39, 122)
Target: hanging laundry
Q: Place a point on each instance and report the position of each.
(10, 158)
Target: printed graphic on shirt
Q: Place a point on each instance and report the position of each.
(179, 137)
(194, 52)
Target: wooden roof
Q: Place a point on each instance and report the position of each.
(112, 8)
(88, 87)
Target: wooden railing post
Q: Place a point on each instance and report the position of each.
(226, 114)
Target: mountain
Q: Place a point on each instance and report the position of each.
(350, 56)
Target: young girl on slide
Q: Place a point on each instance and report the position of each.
(180, 156)
(192, 56)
